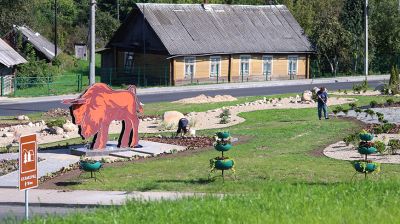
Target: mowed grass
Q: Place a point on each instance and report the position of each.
(276, 202)
(279, 148)
(280, 179)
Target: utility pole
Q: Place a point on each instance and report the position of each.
(118, 10)
(366, 38)
(92, 74)
(55, 28)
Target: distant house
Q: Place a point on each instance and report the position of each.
(183, 43)
(9, 58)
(44, 48)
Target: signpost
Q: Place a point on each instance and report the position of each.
(28, 176)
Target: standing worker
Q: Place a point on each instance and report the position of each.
(322, 102)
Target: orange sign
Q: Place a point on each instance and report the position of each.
(28, 177)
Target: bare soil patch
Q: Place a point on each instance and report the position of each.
(206, 99)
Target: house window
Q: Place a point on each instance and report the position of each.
(128, 60)
(215, 66)
(244, 65)
(189, 67)
(267, 67)
(292, 66)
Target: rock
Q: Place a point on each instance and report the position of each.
(30, 124)
(172, 117)
(21, 117)
(59, 131)
(7, 135)
(307, 96)
(192, 133)
(69, 127)
(65, 136)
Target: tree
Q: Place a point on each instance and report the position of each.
(352, 18)
(329, 36)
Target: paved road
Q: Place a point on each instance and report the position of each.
(26, 108)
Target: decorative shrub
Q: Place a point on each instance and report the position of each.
(380, 147)
(394, 145)
(352, 105)
(59, 122)
(390, 102)
(373, 103)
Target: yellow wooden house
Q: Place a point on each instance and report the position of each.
(176, 44)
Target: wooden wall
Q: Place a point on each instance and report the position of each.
(202, 69)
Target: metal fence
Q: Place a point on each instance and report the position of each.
(39, 86)
(139, 76)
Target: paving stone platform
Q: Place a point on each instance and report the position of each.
(54, 160)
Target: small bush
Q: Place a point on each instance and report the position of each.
(390, 102)
(378, 129)
(369, 112)
(387, 127)
(345, 91)
(352, 139)
(352, 105)
(339, 109)
(373, 103)
(56, 123)
(224, 120)
(394, 145)
(225, 113)
(358, 110)
(380, 146)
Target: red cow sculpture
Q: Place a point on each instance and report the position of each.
(98, 106)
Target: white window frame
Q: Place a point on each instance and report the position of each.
(240, 65)
(272, 64)
(184, 66)
(219, 66)
(297, 64)
(126, 55)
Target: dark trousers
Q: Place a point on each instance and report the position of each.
(324, 108)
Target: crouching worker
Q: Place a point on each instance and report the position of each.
(183, 127)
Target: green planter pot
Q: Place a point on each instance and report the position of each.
(223, 135)
(370, 167)
(223, 148)
(225, 164)
(366, 151)
(90, 166)
(366, 137)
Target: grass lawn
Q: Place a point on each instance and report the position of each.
(360, 202)
(282, 178)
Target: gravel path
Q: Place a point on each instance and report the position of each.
(391, 114)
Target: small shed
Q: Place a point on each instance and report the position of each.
(9, 58)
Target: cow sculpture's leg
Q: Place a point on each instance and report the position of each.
(125, 136)
(102, 137)
(135, 138)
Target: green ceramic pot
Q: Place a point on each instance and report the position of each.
(223, 135)
(222, 147)
(366, 150)
(90, 166)
(366, 137)
(225, 164)
(370, 167)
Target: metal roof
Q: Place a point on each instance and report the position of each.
(39, 42)
(8, 56)
(192, 29)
